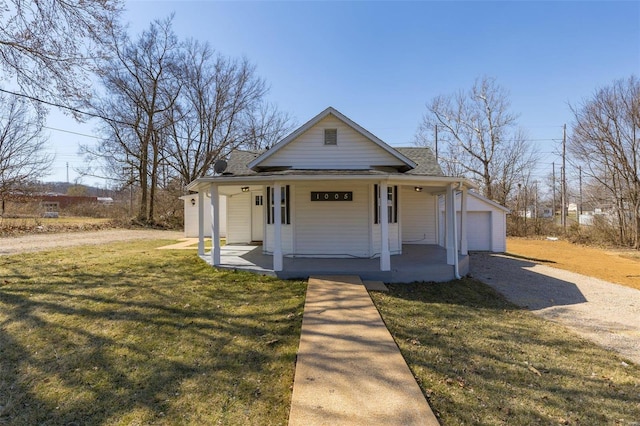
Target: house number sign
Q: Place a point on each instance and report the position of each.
(332, 196)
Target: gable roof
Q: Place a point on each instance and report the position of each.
(479, 197)
(489, 201)
(309, 124)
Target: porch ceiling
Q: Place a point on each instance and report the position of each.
(427, 183)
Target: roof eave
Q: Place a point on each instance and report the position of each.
(204, 182)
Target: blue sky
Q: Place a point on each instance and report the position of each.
(380, 62)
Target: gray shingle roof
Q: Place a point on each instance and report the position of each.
(423, 157)
(238, 160)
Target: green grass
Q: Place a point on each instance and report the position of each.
(125, 334)
(482, 361)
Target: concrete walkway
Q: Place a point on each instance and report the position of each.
(349, 369)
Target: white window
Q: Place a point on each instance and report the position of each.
(392, 203)
(285, 207)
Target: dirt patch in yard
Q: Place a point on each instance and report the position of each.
(41, 242)
(621, 267)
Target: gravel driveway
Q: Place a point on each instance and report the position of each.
(606, 313)
(39, 242)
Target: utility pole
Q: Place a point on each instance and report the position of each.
(535, 200)
(67, 172)
(518, 210)
(436, 143)
(553, 183)
(526, 209)
(580, 178)
(564, 177)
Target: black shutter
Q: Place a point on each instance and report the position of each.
(286, 206)
(395, 204)
(376, 219)
(269, 205)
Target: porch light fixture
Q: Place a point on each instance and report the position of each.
(245, 189)
(193, 201)
(418, 188)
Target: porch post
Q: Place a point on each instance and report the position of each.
(215, 225)
(450, 223)
(201, 222)
(463, 223)
(277, 226)
(385, 255)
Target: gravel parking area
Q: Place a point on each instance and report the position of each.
(606, 313)
(40, 242)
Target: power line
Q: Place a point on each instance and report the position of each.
(68, 108)
(71, 132)
(90, 114)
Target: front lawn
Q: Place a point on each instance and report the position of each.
(483, 361)
(127, 334)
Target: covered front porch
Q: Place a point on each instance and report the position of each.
(302, 239)
(416, 263)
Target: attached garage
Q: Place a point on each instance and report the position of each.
(486, 223)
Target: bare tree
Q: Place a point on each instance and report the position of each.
(266, 126)
(478, 138)
(48, 46)
(172, 108)
(141, 87)
(221, 108)
(22, 155)
(606, 141)
(212, 114)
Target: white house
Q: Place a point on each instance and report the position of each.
(333, 198)
(191, 216)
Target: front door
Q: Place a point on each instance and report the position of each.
(257, 215)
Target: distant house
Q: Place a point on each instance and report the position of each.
(333, 198)
(48, 204)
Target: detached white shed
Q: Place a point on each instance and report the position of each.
(486, 223)
(191, 216)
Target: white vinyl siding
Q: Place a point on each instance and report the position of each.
(286, 237)
(498, 232)
(394, 239)
(418, 216)
(239, 218)
(191, 216)
(332, 228)
(352, 151)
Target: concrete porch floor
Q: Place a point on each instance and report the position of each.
(416, 263)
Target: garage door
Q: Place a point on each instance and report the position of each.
(479, 231)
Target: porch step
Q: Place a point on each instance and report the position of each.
(375, 286)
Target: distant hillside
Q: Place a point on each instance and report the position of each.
(76, 189)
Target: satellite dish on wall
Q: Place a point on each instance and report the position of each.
(220, 166)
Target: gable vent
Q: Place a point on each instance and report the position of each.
(331, 136)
